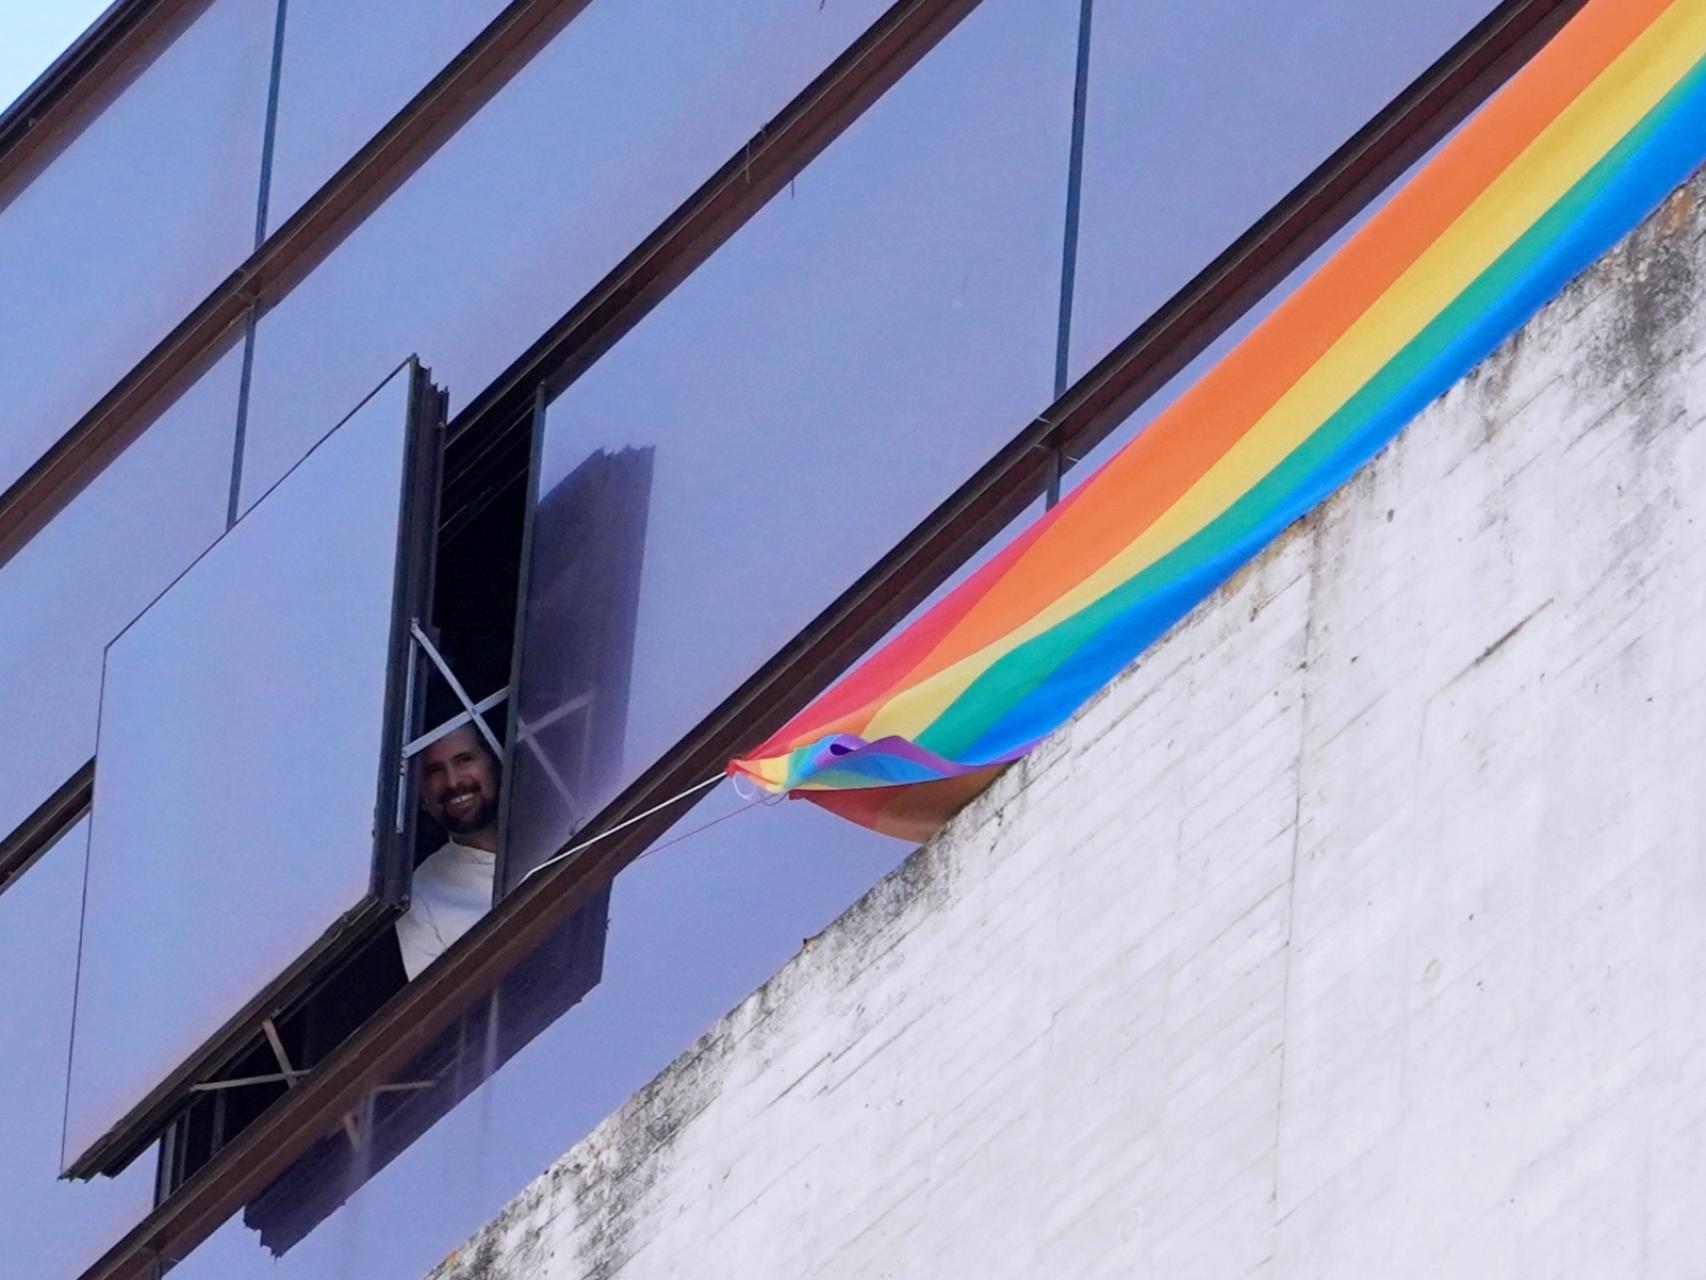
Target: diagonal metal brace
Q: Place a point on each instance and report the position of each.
(444, 670)
(420, 744)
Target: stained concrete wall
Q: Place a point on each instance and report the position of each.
(1359, 931)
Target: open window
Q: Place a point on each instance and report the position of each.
(258, 827)
(252, 833)
(572, 607)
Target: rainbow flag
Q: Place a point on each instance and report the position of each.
(1570, 156)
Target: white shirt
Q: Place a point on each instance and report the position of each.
(452, 889)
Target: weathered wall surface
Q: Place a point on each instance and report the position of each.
(1359, 932)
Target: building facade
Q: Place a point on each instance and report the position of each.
(601, 377)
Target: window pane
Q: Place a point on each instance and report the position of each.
(118, 544)
(598, 139)
(1201, 116)
(52, 1229)
(237, 777)
(348, 68)
(131, 225)
(799, 404)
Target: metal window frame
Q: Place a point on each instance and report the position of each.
(393, 843)
(1324, 202)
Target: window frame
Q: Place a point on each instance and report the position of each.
(149, 1118)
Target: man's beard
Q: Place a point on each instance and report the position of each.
(477, 820)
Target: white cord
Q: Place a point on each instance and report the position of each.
(626, 822)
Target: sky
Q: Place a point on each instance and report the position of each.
(33, 34)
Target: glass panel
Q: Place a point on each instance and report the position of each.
(50, 1229)
(130, 226)
(597, 140)
(95, 567)
(800, 403)
(348, 68)
(1201, 116)
(242, 741)
(693, 929)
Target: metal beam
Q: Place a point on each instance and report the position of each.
(36, 834)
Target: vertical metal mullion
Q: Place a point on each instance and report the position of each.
(241, 431)
(269, 138)
(263, 196)
(1069, 238)
(524, 573)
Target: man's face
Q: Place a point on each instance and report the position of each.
(459, 782)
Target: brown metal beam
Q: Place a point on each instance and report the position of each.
(1322, 204)
(38, 831)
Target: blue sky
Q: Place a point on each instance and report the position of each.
(33, 35)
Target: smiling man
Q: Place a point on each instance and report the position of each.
(459, 781)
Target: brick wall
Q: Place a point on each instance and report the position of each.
(1359, 931)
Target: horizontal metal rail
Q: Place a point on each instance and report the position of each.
(52, 817)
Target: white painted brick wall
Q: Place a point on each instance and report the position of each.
(1359, 932)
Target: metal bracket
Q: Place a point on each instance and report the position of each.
(286, 1074)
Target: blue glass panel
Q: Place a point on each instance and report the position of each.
(138, 525)
(130, 226)
(798, 405)
(348, 68)
(237, 775)
(533, 201)
(50, 1230)
(1202, 115)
